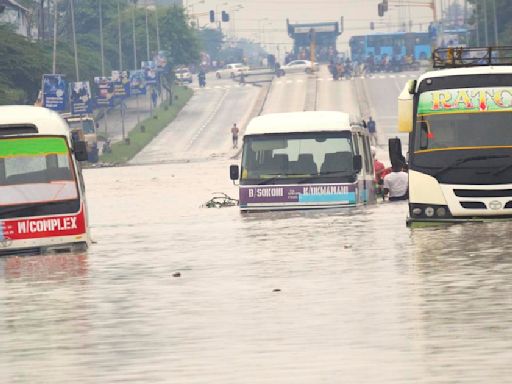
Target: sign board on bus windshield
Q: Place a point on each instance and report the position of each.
(466, 100)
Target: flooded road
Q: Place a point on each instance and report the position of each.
(331, 296)
(292, 297)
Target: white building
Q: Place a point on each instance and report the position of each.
(11, 12)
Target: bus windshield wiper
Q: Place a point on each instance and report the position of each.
(467, 159)
(502, 169)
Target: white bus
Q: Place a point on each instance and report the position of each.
(42, 194)
(460, 137)
(305, 160)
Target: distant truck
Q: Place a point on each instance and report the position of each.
(460, 142)
(83, 128)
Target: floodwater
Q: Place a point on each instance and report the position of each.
(338, 296)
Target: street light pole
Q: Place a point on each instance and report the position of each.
(120, 37)
(147, 30)
(55, 17)
(495, 17)
(134, 39)
(101, 39)
(71, 2)
(486, 32)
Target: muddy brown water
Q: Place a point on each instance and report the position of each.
(329, 296)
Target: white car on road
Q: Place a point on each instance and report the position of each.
(231, 70)
(299, 66)
(183, 75)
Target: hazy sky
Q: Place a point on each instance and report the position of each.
(265, 20)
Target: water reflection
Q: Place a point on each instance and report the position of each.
(360, 297)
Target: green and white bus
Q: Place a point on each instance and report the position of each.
(460, 137)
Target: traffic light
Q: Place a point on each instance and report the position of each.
(225, 16)
(372, 25)
(212, 16)
(380, 9)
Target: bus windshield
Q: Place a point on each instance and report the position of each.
(297, 155)
(466, 118)
(463, 130)
(35, 170)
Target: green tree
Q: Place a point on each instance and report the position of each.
(503, 17)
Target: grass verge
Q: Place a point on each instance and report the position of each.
(139, 138)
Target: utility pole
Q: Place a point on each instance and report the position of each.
(55, 17)
(157, 29)
(101, 39)
(134, 39)
(147, 30)
(495, 17)
(120, 37)
(71, 3)
(486, 32)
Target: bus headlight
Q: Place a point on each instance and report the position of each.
(429, 211)
(417, 211)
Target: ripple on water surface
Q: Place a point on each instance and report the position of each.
(286, 297)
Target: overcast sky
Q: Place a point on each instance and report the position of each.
(265, 20)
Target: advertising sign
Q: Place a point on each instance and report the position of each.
(104, 92)
(137, 82)
(34, 228)
(317, 194)
(469, 100)
(149, 68)
(160, 60)
(55, 92)
(121, 83)
(81, 98)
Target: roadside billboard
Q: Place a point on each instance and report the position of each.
(121, 83)
(137, 82)
(81, 98)
(149, 68)
(55, 92)
(104, 92)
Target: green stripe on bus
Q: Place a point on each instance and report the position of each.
(33, 146)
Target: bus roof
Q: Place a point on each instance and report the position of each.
(299, 122)
(467, 71)
(46, 121)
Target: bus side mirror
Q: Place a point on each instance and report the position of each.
(80, 150)
(358, 163)
(406, 110)
(234, 172)
(395, 151)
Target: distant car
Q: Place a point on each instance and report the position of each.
(299, 66)
(231, 70)
(183, 75)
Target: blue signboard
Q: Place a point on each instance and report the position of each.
(104, 92)
(81, 98)
(55, 92)
(149, 68)
(121, 84)
(137, 82)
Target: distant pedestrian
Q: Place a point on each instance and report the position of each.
(372, 130)
(234, 132)
(154, 97)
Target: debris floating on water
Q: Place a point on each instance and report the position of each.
(176, 274)
(276, 290)
(220, 200)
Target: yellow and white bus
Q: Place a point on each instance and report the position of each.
(460, 137)
(42, 194)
